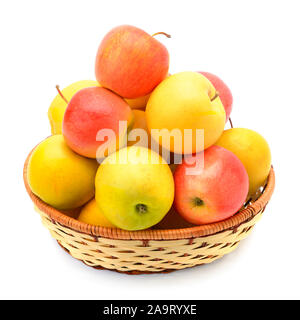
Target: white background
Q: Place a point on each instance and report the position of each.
(252, 45)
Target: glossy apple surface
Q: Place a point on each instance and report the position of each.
(254, 152)
(141, 102)
(223, 90)
(90, 110)
(139, 123)
(131, 62)
(134, 188)
(58, 106)
(59, 176)
(185, 101)
(138, 103)
(216, 193)
(91, 214)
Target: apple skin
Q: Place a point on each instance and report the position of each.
(134, 188)
(140, 122)
(141, 102)
(254, 152)
(91, 214)
(131, 62)
(138, 103)
(90, 110)
(224, 92)
(185, 100)
(60, 177)
(216, 193)
(58, 106)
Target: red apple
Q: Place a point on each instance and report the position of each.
(90, 110)
(224, 92)
(217, 192)
(131, 62)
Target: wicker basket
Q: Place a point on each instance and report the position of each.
(150, 251)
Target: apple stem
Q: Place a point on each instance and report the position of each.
(165, 34)
(215, 96)
(230, 122)
(60, 93)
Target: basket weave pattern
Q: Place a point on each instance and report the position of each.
(150, 251)
(147, 255)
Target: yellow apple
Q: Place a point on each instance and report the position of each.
(138, 103)
(253, 151)
(58, 106)
(91, 214)
(139, 123)
(186, 100)
(134, 188)
(59, 176)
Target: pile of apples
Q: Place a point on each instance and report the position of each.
(114, 155)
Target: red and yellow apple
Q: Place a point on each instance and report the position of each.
(91, 110)
(131, 62)
(59, 104)
(215, 192)
(254, 152)
(223, 90)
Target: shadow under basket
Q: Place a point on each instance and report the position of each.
(151, 251)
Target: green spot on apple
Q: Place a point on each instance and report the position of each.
(141, 208)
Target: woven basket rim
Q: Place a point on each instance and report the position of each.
(233, 222)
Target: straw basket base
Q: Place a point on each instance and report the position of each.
(150, 251)
(133, 272)
(151, 256)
